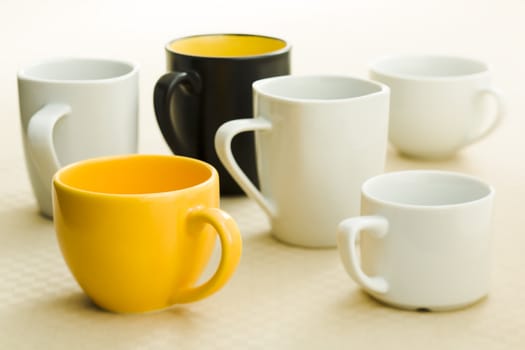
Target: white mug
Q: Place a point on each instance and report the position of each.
(437, 103)
(317, 139)
(72, 109)
(425, 239)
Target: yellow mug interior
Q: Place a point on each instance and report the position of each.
(138, 174)
(226, 45)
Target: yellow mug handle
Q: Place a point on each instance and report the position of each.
(231, 245)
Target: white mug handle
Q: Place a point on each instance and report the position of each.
(40, 138)
(223, 147)
(496, 120)
(347, 235)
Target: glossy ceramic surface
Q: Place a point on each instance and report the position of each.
(318, 138)
(137, 231)
(424, 239)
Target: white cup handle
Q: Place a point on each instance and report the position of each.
(40, 138)
(496, 120)
(223, 147)
(347, 235)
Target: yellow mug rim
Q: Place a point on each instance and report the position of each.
(72, 189)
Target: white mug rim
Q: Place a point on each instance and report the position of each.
(375, 67)
(26, 73)
(259, 89)
(366, 190)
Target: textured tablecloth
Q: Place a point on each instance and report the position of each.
(281, 297)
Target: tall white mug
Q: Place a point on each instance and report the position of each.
(439, 104)
(318, 138)
(424, 239)
(72, 109)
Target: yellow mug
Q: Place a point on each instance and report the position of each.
(137, 231)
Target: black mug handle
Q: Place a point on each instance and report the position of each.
(180, 125)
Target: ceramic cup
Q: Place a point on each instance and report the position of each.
(209, 82)
(137, 231)
(318, 138)
(424, 239)
(439, 104)
(73, 109)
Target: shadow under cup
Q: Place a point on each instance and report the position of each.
(138, 231)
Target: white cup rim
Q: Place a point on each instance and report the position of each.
(478, 190)
(123, 69)
(266, 87)
(476, 67)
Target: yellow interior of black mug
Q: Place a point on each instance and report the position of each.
(226, 45)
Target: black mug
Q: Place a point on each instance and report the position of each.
(210, 82)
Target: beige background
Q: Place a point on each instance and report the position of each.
(281, 297)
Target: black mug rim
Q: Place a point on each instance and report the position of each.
(283, 50)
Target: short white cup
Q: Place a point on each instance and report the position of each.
(317, 139)
(424, 239)
(73, 109)
(438, 103)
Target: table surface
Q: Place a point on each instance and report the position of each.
(281, 297)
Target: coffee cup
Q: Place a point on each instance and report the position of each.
(72, 109)
(137, 231)
(423, 240)
(208, 83)
(439, 104)
(318, 138)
